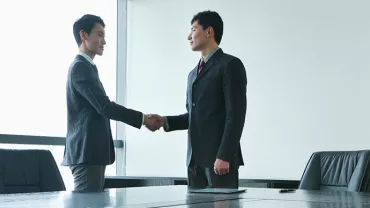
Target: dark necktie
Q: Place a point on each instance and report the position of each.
(201, 66)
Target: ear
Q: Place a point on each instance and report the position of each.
(209, 31)
(83, 35)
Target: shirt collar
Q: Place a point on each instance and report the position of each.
(209, 55)
(86, 57)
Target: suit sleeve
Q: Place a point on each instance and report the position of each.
(235, 93)
(88, 85)
(179, 122)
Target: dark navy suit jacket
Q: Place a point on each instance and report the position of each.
(89, 110)
(216, 109)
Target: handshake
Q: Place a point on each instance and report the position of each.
(153, 122)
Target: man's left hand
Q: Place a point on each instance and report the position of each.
(221, 167)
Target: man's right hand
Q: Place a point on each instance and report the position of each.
(153, 121)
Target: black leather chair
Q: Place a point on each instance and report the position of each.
(26, 171)
(337, 170)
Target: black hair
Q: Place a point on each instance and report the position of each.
(210, 19)
(85, 23)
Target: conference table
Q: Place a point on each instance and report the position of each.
(178, 196)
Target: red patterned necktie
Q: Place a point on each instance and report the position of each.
(201, 66)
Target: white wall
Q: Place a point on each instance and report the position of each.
(308, 71)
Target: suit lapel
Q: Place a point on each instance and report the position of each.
(193, 76)
(206, 67)
(93, 67)
(209, 64)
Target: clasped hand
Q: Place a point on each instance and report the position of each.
(153, 122)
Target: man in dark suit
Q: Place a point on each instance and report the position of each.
(216, 108)
(89, 144)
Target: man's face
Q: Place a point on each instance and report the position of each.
(96, 40)
(198, 37)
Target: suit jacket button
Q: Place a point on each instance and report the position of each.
(193, 104)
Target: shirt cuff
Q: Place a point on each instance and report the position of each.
(165, 126)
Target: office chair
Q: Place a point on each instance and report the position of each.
(337, 170)
(26, 171)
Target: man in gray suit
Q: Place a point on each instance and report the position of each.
(89, 144)
(216, 103)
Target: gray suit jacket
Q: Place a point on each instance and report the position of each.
(89, 110)
(216, 108)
